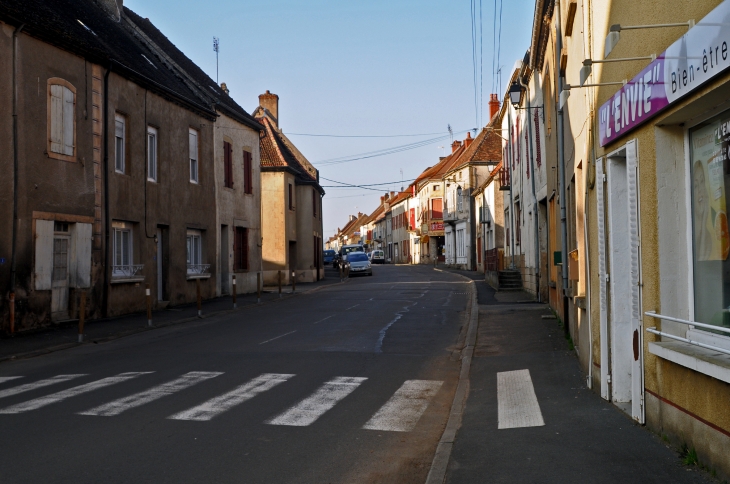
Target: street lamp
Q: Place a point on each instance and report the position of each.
(515, 94)
(587, 68)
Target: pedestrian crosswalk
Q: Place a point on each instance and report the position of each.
(516, 399)
(399, 414)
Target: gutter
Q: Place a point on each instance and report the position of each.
(107, 222)
(13, 258)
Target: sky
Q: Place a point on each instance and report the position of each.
(362, 73)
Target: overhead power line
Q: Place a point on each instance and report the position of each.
(363, 135)
(364, 187)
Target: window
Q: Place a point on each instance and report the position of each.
(195, 252)
(123, 252)
(61, 120)
(436, 187)
(460, 201)
(240, 249)
(710, 237)
(247, 172)
(193, 150)
(151, 154)
(227, 165)
(119, 138)
(314, 203)
(291, 197)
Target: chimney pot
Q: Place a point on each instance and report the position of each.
(493, 105)
(224, 87)
(270, 102)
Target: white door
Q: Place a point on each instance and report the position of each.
(59, 285)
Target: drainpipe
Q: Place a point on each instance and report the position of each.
(15, 180)
(534, 196)
(105, 169)
(561, 171)
(511, 204)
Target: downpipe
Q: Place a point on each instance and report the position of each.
(107, 222)
(14, 238)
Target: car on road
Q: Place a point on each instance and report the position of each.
(359, 264)
(346, 249)
(377, 257)
(328, 256)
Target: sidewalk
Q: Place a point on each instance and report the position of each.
(584, 438)
(33, 343)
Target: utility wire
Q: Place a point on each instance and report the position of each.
(368, 185)
(362, 136)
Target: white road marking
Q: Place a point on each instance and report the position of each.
(37, 384)
(138, 399)
(71, 392)
(280, 336)
(516, 401)
(402, 412)
(325, 319)
(356, 305)
(3, 379)
(314, 406)
(222, 403)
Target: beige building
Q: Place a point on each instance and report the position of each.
(291, 199)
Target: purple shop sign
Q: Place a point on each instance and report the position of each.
(698, 56)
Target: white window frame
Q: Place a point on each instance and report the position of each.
(194, 247)
(122, 257)
(194, 152)
(120, 139)
(152, 153)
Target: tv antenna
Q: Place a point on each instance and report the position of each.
(451, 132)
(216, 48)
(401, 179)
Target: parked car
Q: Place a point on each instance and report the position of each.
(359, 264)
(346, 249)
(328, 256)
(377, 257)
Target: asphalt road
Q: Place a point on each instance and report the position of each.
(351, 383)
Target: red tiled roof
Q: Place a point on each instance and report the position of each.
(278, 151)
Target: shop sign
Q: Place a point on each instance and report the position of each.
(698, 56)
(436, 226)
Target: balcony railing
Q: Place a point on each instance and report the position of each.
(653, 330)
(126, 271)
(198, 269)
(504, 179)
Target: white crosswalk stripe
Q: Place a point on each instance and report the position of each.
(71, 392)
(123, 404)
(323, 399)
(517, 404)
(402, 412)
(3, 379)
(222, 403)
(37, 384)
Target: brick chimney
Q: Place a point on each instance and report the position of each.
(392, 195)
(468, 139)
(270, 102)
(493, 105)
(455, 145)
(382, 199)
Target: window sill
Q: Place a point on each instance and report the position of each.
(126, 280)
(702, 360)
(191, 277)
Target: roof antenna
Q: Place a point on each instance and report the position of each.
(401, 179)
(216, 48)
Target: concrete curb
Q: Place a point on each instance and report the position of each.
(440, 462)
(130, 332)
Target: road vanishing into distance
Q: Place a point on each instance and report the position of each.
(351, 382)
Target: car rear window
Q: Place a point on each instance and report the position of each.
(357, 258)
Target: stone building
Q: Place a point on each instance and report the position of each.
(291, 198)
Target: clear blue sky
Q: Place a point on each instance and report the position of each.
(375, 67)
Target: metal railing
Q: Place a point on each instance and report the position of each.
(198, 269)
(126, 270)
(653, 330)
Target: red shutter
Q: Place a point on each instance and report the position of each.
(413, 218)
(437, 208)
(227, 162)
(247, 172)
(240, 249)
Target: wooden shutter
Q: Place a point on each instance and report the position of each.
(81, 267)
(437, 208)
(247, 172)
(314, 203)
(240, 249)
(68, 121)
(43, 254)
(56, 118)
(602, 276)
(291, 200)
(227, 162)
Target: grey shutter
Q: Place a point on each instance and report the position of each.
(56, 118)
(68, 122)
(43, 254)
(602, 290)
(82, 253)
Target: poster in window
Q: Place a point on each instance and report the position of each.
(710, 147)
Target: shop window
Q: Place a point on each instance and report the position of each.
(709, 174)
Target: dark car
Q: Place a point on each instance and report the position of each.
(329, 257)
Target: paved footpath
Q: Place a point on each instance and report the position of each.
(529, 417)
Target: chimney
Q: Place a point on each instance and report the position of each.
(455, 145)
(468, 139)
(392, 195)
(493, 105)
(352, 217)
(224, 88)
(270, 102)
(382, 199)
